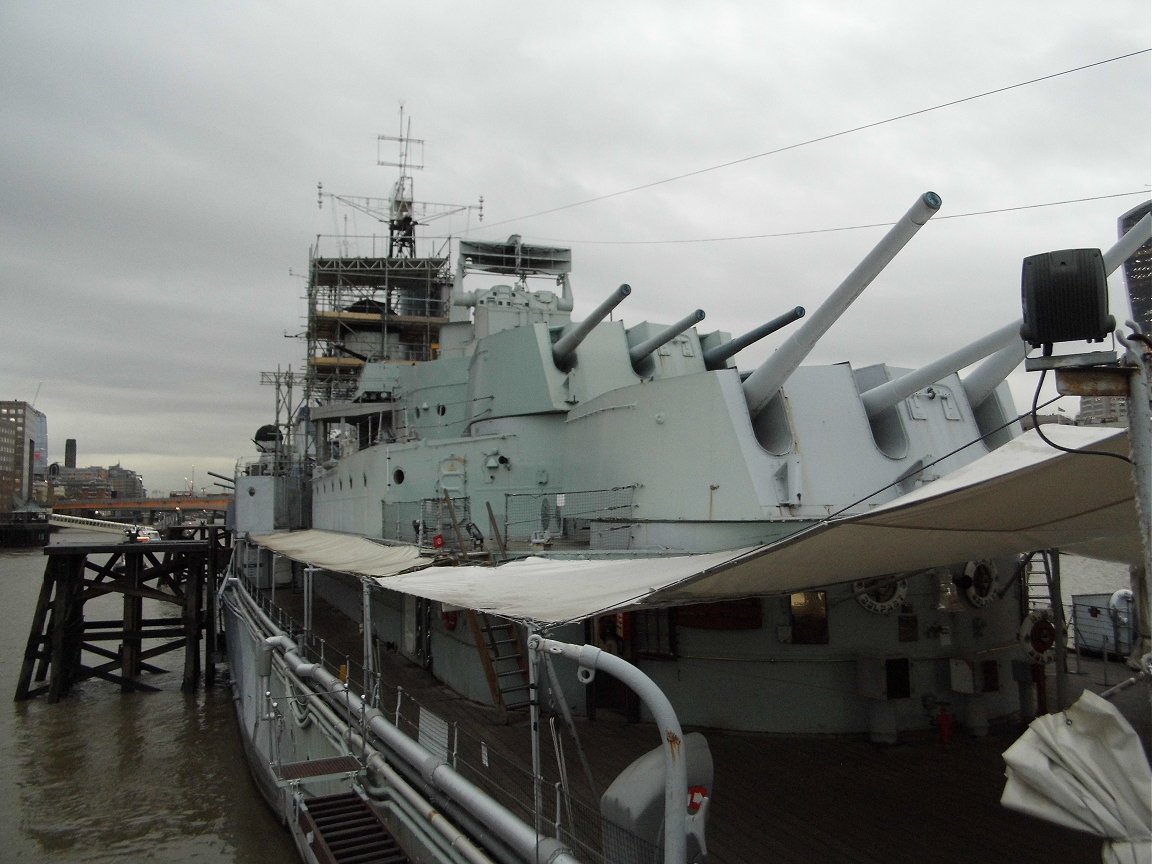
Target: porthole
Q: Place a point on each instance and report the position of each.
(441, 410)
(398, 476)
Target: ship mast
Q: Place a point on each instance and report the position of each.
(401, 222)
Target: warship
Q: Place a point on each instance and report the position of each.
(488, 488)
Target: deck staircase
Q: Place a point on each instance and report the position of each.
(345, 830)
(1037, 593)
(502, 656)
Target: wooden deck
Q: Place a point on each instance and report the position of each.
(806, 800)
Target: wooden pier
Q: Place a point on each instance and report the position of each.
(181, 572)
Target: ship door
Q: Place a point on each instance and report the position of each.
(452, 477)
(417, 644)
(613, 633)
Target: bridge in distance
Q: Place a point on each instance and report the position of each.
(203, 502)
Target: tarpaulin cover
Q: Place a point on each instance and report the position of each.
(344, 553)
(1084, 768)
(1022, 497)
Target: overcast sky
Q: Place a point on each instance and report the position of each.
(159, 164)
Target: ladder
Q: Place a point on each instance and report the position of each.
(345, 830)
(502, 656)
(1037, 593)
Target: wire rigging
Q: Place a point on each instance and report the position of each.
(816, 140)
(861, 227)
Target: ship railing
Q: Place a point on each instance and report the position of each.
(569, 810)
(1101, 627)
(597, 518)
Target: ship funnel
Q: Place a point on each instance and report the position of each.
(763, 384)
(890, 393)
(640, 351)
(564, 347)
(715, 358)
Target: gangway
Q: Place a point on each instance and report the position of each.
(140, 533)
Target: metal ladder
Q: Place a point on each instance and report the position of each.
(345, 830)
(1037, 593)
(502, 656)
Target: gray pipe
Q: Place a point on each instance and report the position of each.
(714, 358)
(762, 385)
(434, 770)
(639, 352)
(569, 341)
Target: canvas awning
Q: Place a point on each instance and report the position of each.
(344, 553)
(1022, 497)
(1084, 768)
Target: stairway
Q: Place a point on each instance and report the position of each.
(1037, 594)
(345, 830)
(502, 657)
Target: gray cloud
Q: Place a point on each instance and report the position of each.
(160, 161)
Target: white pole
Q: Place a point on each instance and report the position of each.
(592, 658)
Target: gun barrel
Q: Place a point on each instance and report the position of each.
(570, 341)
(642, 350)
(714, 358)
(1133, 239)
(765, 382)
(981, 381)
(886, 395)
(343, 349)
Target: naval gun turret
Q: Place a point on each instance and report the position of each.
(641, 350)
(763, 384)
(564, 349)
(1004, 349)
(717, 356)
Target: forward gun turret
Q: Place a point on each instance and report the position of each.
(715, 358)
(565, 347)
(763, 384)
(638, 352)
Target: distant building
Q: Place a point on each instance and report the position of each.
(1138, 270)
(95, 483)
(125, 483)
(23, 453)
(1102, 411)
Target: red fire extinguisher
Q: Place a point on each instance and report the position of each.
(946, 723)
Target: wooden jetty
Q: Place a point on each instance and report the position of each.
(182, 572)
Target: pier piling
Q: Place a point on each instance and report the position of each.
(63, 648)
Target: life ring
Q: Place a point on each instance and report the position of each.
(880, 598)
(1038, 634)
(980, 579)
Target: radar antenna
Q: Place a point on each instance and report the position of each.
(401, 222)
(401, 211)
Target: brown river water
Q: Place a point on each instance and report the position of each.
(108, 777)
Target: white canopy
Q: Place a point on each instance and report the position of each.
(344, 553)
(1084, 768)
(1022, 497)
